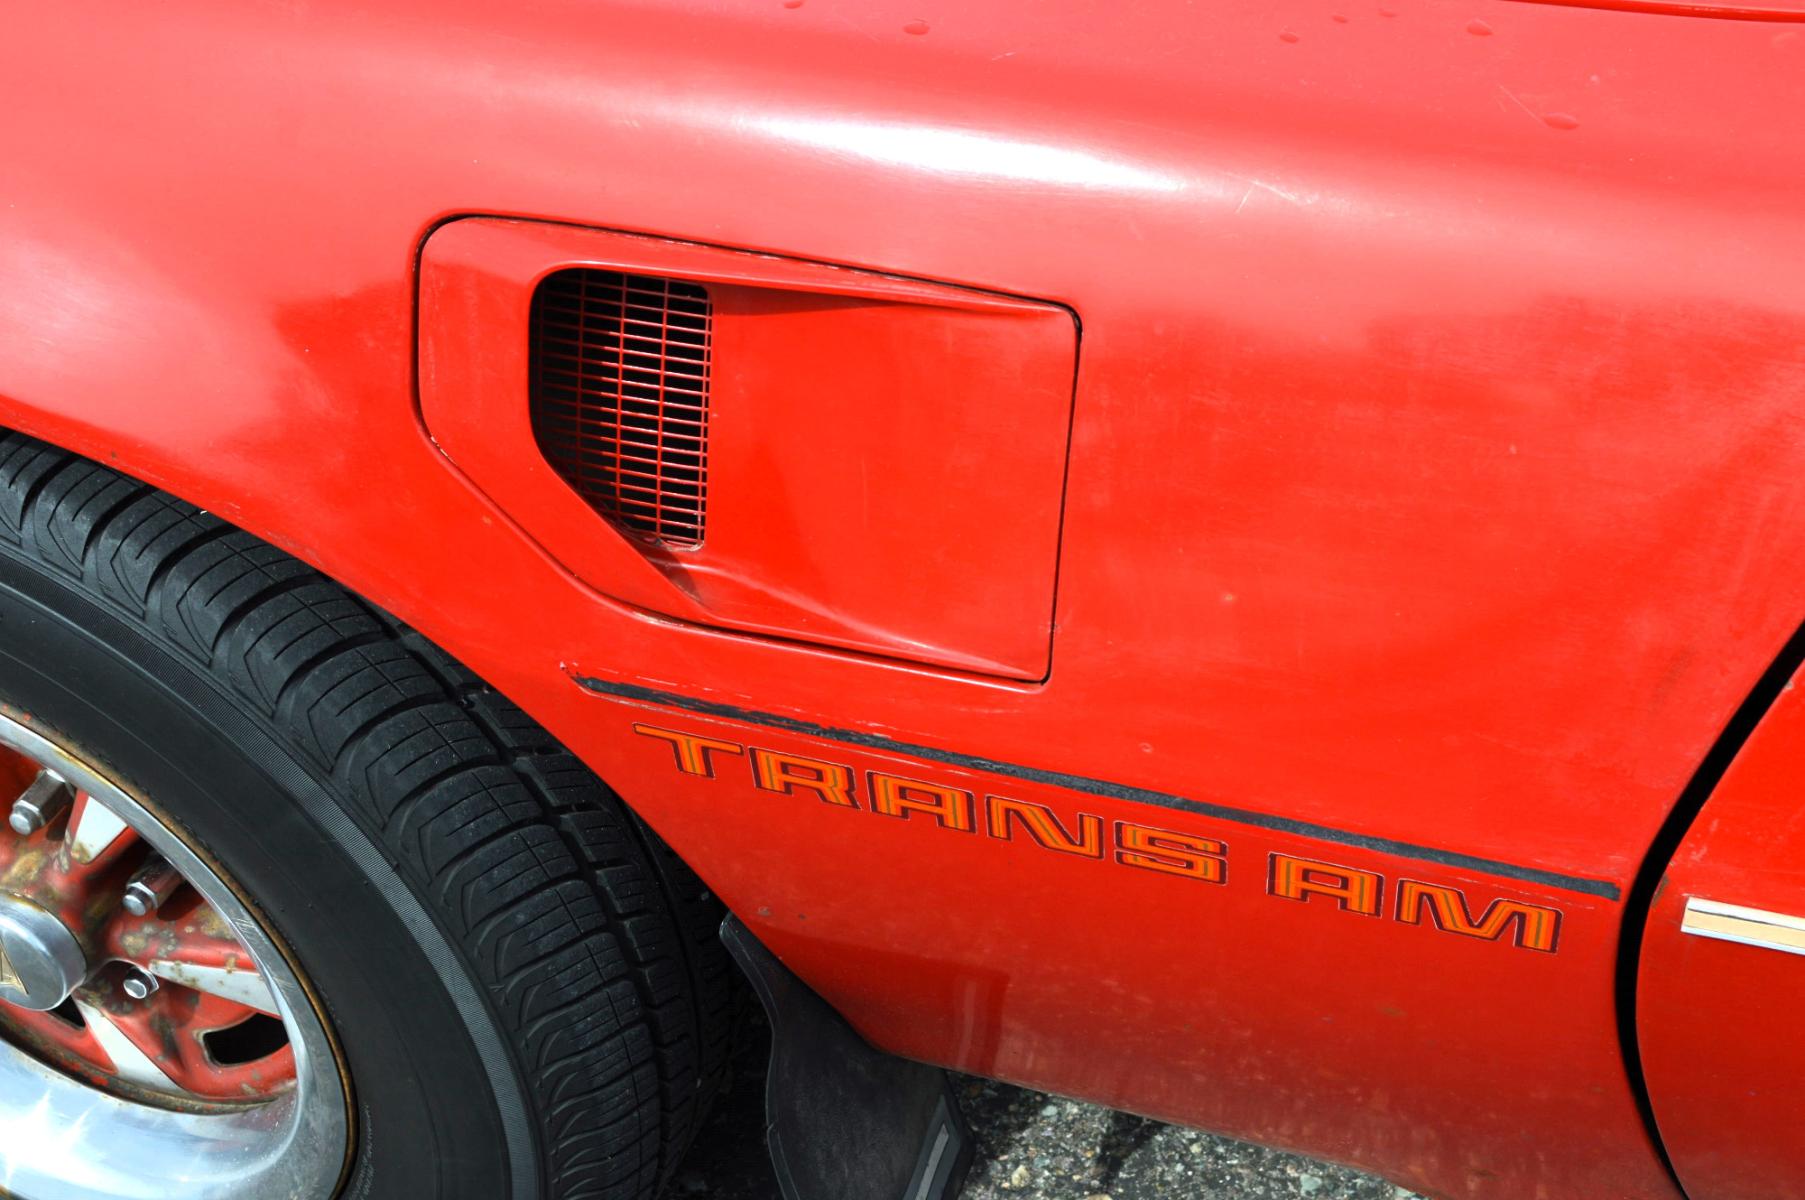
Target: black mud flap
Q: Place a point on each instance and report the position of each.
(845, 1121)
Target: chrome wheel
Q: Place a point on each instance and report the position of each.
(154, 1041)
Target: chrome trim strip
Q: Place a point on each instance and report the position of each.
(1745, 926)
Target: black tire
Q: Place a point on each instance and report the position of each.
(526, 987)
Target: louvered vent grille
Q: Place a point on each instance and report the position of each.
(619, 369)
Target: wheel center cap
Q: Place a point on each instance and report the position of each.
(41, 961)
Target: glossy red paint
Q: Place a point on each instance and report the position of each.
(1717, 1020)
(1435, 495)
(1778, 10)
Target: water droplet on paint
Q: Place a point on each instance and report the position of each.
(1479, 28)
(792, 3)
(1560, 120)
(916, 27)
(1288, 36)
(1339, 19)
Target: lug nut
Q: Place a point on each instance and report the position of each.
(139, 984)
(155, 882)
(42, 802)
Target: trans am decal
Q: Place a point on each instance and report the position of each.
(1129, 844)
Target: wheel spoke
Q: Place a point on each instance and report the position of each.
(240, 985)
(49, 1031)
(130, 1062)
(95, 830)
(194, 948)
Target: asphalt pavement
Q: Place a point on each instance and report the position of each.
(1036, 1147)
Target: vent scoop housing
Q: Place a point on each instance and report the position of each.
(619, 397)
(784, 449)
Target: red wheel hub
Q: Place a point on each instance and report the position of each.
(170, 1006)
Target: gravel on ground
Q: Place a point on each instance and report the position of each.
(1032, 1146)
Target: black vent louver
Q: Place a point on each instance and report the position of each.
(619, 393)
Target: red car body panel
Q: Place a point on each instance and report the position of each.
(1436, 485)
(1716, 1018)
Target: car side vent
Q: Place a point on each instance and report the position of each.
(619, 394)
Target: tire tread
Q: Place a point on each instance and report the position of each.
(595, 946)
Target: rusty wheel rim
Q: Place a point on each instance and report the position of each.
(154, 1039)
